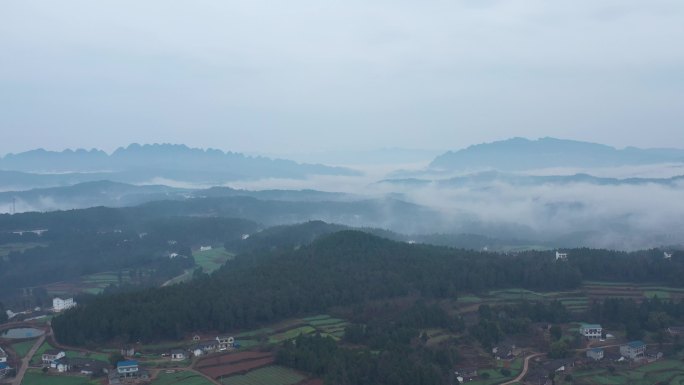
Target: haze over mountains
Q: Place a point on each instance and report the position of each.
(548, 192)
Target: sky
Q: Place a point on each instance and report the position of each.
(301, 76)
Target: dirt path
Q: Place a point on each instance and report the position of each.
(526, 366)
(26, 360)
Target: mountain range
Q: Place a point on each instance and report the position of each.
(143, 163)
(523, 154)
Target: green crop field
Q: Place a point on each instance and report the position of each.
(36, 377)
(211, 260)
(270, 375)
(19, 247)
(256, 333)
(291, 334)
(23, 347)
(666, 371)
(180, 378)
(327, 321)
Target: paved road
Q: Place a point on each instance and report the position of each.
(25, 361)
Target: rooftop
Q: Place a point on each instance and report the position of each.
(126, 363)
(591, 326)
(597, 350)
(636, 344)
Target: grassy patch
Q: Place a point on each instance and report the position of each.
(180, 378)
(211, 260)
(36, 377)
(270, 375)
(23, 347)
(256, 333)
(291, 334)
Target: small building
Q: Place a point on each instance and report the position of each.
(51, 355)
(593, 331)
(676, 330)
(561, 256)
(633, 350)
(205, 248)
(595, 354)
(59, 304)
(3, 356)
(196, 338)
(178, 355)
(667, 255)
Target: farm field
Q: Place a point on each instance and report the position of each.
(217, 366)
(666, 372)
(211, 260)
(575, 301)
(91, 283)
(21, 348)
(10, 247)
(180, 378)
(36, 377)
(271, 375)
(290, 329)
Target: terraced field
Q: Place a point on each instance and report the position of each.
(271, 375)
(666, 372)
(575, 301)
(180, 378)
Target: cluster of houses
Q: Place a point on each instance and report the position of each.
(633, 350)
(218, 344)
(57, 359)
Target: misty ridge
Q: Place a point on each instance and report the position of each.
(547, 192)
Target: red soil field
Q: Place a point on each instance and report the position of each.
(223, 359)
(235, 368)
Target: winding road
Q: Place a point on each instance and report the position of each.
(526, 366)
(26, 360)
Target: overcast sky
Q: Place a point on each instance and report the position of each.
(300, 76)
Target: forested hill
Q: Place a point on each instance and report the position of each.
(344, 268)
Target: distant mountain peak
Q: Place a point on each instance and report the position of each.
(524, 154)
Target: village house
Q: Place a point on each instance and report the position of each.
(196, 338)
(178, 355)
(595, 354)
(3, 356)
(675, 330)
(465, 374)
(59, 304)
(561, 256)
(205, 347)
(633, 350)
(205, 248)
(51, 355)
(592, 331)
(128, 372)
(505, 351)
(225, 343)
(4, 369)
